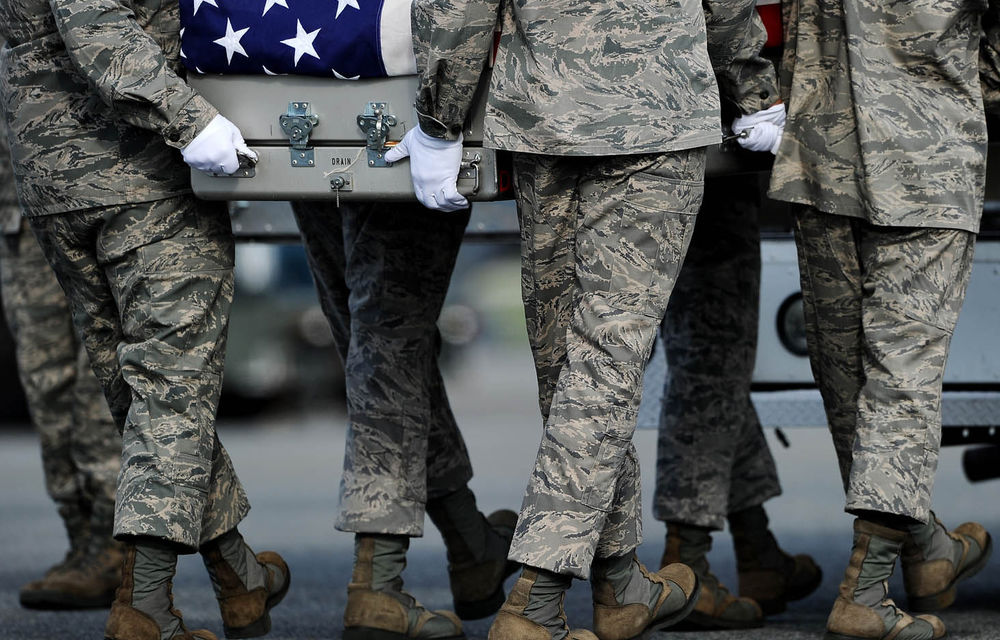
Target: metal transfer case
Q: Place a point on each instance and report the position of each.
(318, 139)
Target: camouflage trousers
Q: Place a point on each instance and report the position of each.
(81, 446)
(382, 272)
(712, 457)
(602, 242)
(150, 287)
(881, 304)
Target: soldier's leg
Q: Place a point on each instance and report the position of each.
(831, 280)
(708, 452)
(46, 350)
(80, 452)
(710, 449)
(914, 284)
(629, 223)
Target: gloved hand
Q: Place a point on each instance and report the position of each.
(764, 129)
(434, 167)
(214, 149)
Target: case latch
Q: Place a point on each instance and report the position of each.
(297, 123)
(375, 122)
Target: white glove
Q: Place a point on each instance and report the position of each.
(434, 167)
(763, 129)
(215, 148)
(764, 136)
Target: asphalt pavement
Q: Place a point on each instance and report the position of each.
(290, 465)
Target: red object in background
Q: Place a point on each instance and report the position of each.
(770, 13)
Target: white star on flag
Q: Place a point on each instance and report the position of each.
(302, 42)
(197, 4)
(341, 4)
(231, 42)
(270, 3)
(182, 40)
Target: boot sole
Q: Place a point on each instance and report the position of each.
(262, 625)
(59, 601)
(944, 599)
(371, 633)
(669, 621)
(478, 609)
(699, 621)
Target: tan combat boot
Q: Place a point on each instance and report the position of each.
(935, 560)
(768, 575)
(863, 610)
(145, 611)
(631, 602)
(89, 582)
(477, 552)
(717, 608)
(247, 586)
(37, 594)
(378, 608)
(534, 610)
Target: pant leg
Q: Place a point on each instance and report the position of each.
(164, 269)
(914, 286)
(712, 457)
(831, 278)
(631, 219)
(403, 443)
(46, 348)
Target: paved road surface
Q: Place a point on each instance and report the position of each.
(290, 465)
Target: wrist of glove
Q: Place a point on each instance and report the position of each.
(774, 114)
(434, 167)
(215, 149)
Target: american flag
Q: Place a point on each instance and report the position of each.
(347, 39)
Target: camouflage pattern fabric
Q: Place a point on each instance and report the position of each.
(736, 35)
(885, 113)
(150, 286)
(81, 446)
(712, 457)
(602, 241)
(571, 77)
(880, 307)
(10, 209)
(94, 102)
(382, 272)
(989, 58)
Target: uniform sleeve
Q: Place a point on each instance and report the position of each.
(129, 69)
(989, 58)
(736, 35)
(451, 40)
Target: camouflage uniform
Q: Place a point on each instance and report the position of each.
(889, 159)
(382, 271)
(81, 447)
(712, 458)
(96, 111)
(608, 172)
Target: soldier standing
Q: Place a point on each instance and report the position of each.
(607, 110)
(885, 153)
(81, 446)
(713, 462)
(96, 112)
(382, 272)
